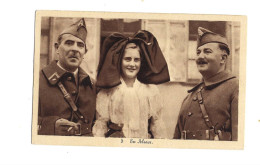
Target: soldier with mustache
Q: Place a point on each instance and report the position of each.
(67, 96)
(210, 111)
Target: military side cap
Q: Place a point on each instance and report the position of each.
(78, 29)
(206, 36)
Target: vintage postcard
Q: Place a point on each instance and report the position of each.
(139, 80)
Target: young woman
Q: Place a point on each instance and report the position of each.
(129, 104)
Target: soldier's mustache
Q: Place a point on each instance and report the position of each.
(73, 54)
(201, 61)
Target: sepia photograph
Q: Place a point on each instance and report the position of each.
(139, 80)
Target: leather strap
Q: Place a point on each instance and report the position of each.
(71, 103)
(203, 109)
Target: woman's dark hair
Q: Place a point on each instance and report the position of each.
(153, 68)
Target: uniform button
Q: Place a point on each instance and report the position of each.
(194, 98)
(190, 113)
(74, 92)
(69, 78)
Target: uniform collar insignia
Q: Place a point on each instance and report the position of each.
(53, 72)
(54, 77)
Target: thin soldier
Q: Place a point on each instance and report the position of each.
(210, 111)
(67, 96)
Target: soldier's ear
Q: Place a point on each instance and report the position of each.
(56, 45)
(223, 58)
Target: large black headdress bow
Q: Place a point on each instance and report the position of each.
(153, 69)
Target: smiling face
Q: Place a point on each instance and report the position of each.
(210, 59)
(70, 50)
(131, 63)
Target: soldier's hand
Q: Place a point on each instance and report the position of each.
(66, 127)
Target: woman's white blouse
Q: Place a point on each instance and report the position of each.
(132, 107)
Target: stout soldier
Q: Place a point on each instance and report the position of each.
(210, 111)
(67, 97)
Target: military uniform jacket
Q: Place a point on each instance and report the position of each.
(53, 106)
(220, 97)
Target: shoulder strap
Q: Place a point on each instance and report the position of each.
(203, 109)
(71, 102)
